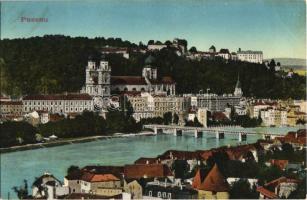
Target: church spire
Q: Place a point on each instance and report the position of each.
(238, 89)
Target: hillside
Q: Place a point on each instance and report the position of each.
(55, 64)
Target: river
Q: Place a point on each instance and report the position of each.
(17, 166)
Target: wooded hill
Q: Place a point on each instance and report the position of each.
(55, 64)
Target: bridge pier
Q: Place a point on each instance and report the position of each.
(198, 134)
(219, 135)
(157, 130)
(177, 132)
(242, 137)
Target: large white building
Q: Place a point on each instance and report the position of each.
(274, 117)
(250, 56)
(214, 102)
(146, 105)
(58, 103)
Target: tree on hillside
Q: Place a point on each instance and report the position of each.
(272, 65)
(150, 42)
(193, 50)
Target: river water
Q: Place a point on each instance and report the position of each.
(17, 166)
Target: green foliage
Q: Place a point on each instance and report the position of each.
(194, 123)
(301, 121)
(86, 124)
(154, 120)
(241, 190)
(193, 50)
(300, 192)
(286, 154)
(16, 133)
(181, 168)
(22, 191)
(267, 174)
(241, 120)
(60, 62)
(167, 118)
(72, 169)
(176, 119)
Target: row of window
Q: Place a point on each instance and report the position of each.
(55, 103)
(162, 194)
(60, 110)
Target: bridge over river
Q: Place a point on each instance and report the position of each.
(219, 132)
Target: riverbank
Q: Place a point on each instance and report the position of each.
(64, 141)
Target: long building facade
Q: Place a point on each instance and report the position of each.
(214, 102)
(59, 103)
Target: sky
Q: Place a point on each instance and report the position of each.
(276, 27)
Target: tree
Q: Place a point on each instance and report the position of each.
(241, 190)
(287, 149)
(272, 65)
(168, 43)
(167, 118)
(193, 50)
(151, 42)
(197, 123)
(22, 191)
(176, 118)
(72, 169)
(301, 121)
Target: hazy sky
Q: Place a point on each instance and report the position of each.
(277, 27)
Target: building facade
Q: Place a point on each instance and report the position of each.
(97, 78)
(250, 56)
(214, 102)
(147, 105)
(148, 82)
(58, 103)
(274, 117)
(10, 109)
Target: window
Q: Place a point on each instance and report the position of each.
(150, 193)
(164, 194)
(169, 196)
(159, 194)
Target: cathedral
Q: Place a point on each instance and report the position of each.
(147, 82)
(100, 83)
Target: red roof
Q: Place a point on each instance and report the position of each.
(267, 193)
(115, 170)
(214, 181)
(17, 103)
(139, 80)
(219, 116)
(147, 161)
(58, 97)
(181, 155)
(147, 170)
(90, 177)
(281, 164)
(128, 80)
(298, 137)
